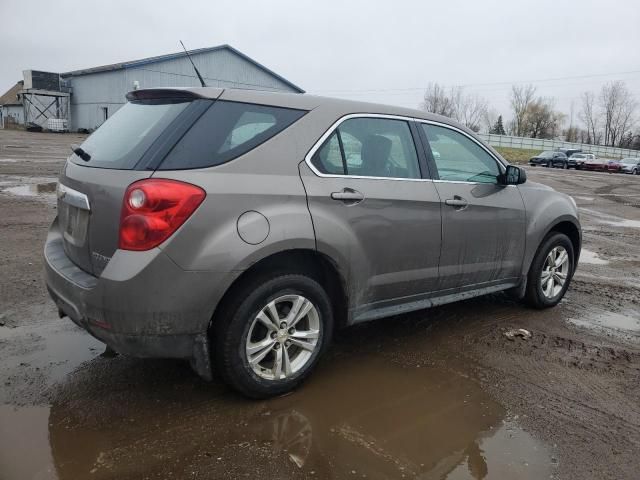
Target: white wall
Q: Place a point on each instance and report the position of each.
(544, 144)
(14, 111)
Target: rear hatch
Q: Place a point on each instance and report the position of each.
(126, 148)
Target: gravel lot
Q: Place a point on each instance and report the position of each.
(436, 394)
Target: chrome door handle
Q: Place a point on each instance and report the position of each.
(348, 195)
(457, 202)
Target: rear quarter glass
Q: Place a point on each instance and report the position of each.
(124, 138)
(226, 131)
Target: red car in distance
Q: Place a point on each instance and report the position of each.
(595, 163)
(613, 166)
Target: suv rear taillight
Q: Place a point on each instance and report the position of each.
(153, 209)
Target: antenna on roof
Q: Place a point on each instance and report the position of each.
(194, 65)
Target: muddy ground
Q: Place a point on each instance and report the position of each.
(435, 394)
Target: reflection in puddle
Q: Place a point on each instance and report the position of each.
(357, 416)
(24, 444)
(33, 189)
(592, 258)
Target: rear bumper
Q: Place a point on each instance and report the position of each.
(142, 305)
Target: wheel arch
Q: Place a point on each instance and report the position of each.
(572, 231)
(568, 226)
(303, 261)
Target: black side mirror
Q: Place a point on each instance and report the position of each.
(513, 176)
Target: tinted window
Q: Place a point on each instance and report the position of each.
(226, 131)
(121, 141)
(328, 158)
(371, 147)
(458, 158)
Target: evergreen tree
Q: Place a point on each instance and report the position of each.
(498, 128)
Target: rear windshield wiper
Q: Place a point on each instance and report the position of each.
(80, 152)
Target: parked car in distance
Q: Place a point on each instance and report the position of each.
(595, 163)
(630, 165)
(577, 160)
(238, 228)
(613, 166)
(550, 159)
(569, 151)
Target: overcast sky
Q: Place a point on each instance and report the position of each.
(382, 51)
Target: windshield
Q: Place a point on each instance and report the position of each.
(121, 141)
(630, 161)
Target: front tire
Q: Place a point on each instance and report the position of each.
(550, 272)
(270, 336)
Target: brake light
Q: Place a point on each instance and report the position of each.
(153, 209)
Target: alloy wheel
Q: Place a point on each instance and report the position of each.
(283, 337)
(555, 272)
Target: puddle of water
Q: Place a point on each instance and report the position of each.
(624, 223)
(626, 322)
(613, 220)
(53, 350)
(493, 460)
(24, 443)
(33, 189)
(356, 417)
(592, 258)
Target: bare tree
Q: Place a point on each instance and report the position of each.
(521, 98)
(589, 117)
(454, 103)
(470, 109)
(437, 100)
(490, 119)
(541, 120)
(618, 107)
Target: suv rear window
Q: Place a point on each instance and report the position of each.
(226, 131)
(121, 141)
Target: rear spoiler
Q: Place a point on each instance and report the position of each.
(174, 94)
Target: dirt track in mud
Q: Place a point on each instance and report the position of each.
(435, 394)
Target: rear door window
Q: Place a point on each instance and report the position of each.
(226, 131)
(122, 140)
(369, 147)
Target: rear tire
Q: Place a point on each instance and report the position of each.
(550, 272)
(247, 324)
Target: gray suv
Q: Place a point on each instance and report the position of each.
(237, 228)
